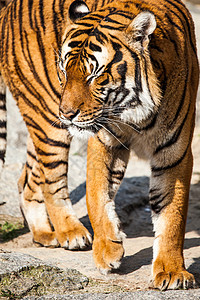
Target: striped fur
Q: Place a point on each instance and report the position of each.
(125, 73)
(2, 120)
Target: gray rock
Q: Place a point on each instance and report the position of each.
(140, 295)
(23, 275)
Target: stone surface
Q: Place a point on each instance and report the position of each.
(22, 274)
(149, 295)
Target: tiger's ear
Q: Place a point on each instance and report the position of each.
(139, 30)
(77, 10)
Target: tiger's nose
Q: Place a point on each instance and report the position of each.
(70, 114)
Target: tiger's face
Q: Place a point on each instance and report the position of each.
(107, 72)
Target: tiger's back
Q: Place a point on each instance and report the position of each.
(128, 75)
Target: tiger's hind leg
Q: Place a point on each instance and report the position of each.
(169, 193)
(32, 201)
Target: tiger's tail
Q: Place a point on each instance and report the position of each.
(3, 121)
(3, 113)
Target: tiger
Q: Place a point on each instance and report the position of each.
(124, 75)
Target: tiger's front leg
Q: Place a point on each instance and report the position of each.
(105, 171)
(44, 192)
(169, 191)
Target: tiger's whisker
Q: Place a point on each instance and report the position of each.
(127, 124)
(55, 122)
(112, 123)
(113, 135)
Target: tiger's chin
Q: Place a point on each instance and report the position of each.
(81, 133)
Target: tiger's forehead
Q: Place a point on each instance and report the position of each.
(85, 49)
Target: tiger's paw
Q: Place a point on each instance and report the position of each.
(107, 254)
(74, 237)
(46, 239)
(173, 280)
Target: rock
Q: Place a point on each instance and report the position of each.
(147, 295)
(22, 275)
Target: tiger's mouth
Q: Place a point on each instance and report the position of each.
(83, 132)
(81, 129)
(109, 122)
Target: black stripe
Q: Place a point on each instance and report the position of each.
(186, 20)
(157, 200)
(59, 189)
(41, 8)
(4, 23)
(151, 124)
(20, 21)
(3, 135)
(2, 124)
(52, 142)
(36, 76)
(124, 14)
(89, 18)
(15, 9)
(157, 208)
(43, 153)
(31, 155)
(117, 174)
(55, 27)
(37, 183)
(100, 141)
(100, 36)
(85, 24)
(175, 136)
(35, 200)
(109, 19)
(35, 175)
(26, 177)
(113, 28)
(28, 166)
(79, 33)
(155, 197)
(61, 7)
(21, 76)
(54, 164)
(2, 97)
(57, 180)
(94, 47)
(181, 103)
(2, 155)
(112, 182)
(152, 190)
(176, 163)
(75, 44)
(30, 7)
(43, 57)
(30, 188)
(30, 122)
(138, 80)
(174, 24)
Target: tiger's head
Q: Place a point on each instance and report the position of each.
(105, 69)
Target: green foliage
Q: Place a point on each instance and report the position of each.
(9, 230)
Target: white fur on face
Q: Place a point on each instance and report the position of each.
(81, 134)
